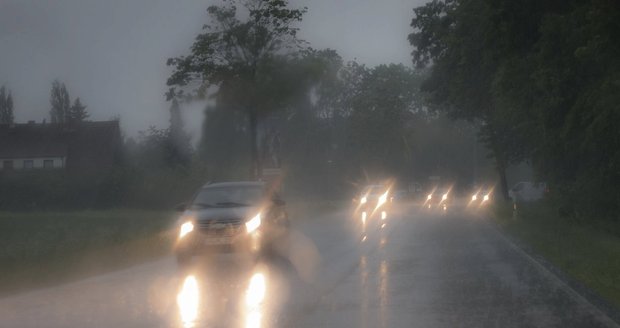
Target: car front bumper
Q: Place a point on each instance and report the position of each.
(205, 240)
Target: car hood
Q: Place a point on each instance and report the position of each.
(243, 213)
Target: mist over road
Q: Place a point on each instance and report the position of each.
(421, 270)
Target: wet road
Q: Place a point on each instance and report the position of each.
(421, 270)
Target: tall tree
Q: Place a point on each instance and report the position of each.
(235, 54)
(461, 41)
(541, 76)
(179, 148)
(61, 104)
(388, 97)
(77, 112)
(224, 143)
(6, 107)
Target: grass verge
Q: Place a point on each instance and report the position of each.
(588, 251)
(39, 249)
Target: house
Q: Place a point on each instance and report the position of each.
(79, 148)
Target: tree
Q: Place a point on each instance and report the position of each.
(565, 84)
(384, 104)
(153, 148)
(6, 107)
(77, 112)
(224, 146)
(235, 55)
(461, 41)
(180, 147)
(61, 103)
(541, 77)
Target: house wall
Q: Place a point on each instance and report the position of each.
(18, 163)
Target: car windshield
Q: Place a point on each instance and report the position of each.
(228, 196)
(374, 191)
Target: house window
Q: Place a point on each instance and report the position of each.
(7, 165)
(28, 164)
(48, 163)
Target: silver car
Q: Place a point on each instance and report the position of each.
(230, 217)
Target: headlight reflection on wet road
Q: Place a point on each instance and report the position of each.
(187, 301)
(254, 297)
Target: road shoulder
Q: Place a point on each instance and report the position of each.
(575, 288)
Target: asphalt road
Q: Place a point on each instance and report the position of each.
(420, 270)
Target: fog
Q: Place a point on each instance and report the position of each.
(112, 54)
(309, 163)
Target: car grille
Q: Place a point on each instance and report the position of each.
(223, 227)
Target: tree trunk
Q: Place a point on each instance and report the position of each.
(501, 163)
(503, 181)
(256, 170)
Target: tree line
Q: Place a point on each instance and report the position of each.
(541, 78)
(62, 110)
(339, 124)
(337, 119)
(6, 106)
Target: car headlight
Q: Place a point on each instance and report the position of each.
(444, 197)
(474, 197)
(486, 197)
(382, 199)
(363, 200)
(186, 228)
(253, 223)
(429, 197)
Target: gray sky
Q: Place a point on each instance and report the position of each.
(112, 53)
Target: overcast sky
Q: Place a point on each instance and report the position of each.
(112, 53)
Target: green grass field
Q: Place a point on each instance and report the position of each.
(588, 251)
(38, 249)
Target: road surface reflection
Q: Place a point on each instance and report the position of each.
(188, 301)
(254, 297)
(230, 291)
(374, 263)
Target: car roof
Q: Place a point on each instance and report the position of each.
(377, 186)
(235, 184)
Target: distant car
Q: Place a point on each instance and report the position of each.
(527, 191)
(374, 201)
(230, 216)
(481, 197)
(439, 198)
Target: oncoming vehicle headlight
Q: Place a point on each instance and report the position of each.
(444, 197)
(253, 223)
(485, 198)
(429, 197)
(363, 200)
(382, 199)
(186, 228)
(474, 197)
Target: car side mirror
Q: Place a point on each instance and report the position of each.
(279, 202)
(181, 207)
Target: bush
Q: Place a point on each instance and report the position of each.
(119, 187)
